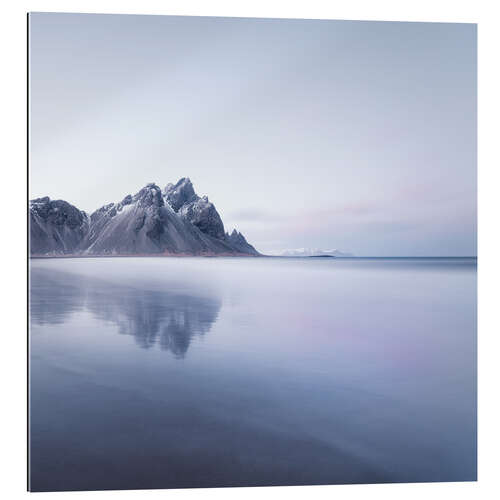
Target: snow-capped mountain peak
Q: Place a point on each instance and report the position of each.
(175, 221)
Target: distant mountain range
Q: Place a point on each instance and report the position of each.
(314, 252)
(172, 221)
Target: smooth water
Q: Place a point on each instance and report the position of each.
(199, 372)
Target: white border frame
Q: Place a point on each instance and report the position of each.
(13, 229)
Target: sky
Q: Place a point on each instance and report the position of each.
(353, 135)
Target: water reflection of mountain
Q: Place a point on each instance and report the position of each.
(154, 317)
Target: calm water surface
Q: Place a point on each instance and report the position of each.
(199, 372)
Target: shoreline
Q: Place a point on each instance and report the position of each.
(243, 255)
(157, 255)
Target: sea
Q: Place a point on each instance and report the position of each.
(185, 372)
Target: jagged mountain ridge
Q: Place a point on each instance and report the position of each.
(198, 211)
(173, 221)
(56, 226)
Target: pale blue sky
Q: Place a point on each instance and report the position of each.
(347, 134)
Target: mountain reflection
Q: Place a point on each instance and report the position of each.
(153, 317)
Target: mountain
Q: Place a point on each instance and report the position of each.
(238, 242)
(173, 221)
(198, 211)
(56, 226)
(314, 252)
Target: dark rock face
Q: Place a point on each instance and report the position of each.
(56, 227)
(204, 216)
(180, 193)
(176, 221)
(198, 211)
(148, 196)
(239, 243)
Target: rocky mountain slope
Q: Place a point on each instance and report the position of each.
(56, 226)
(173, 221)
(191, 208)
